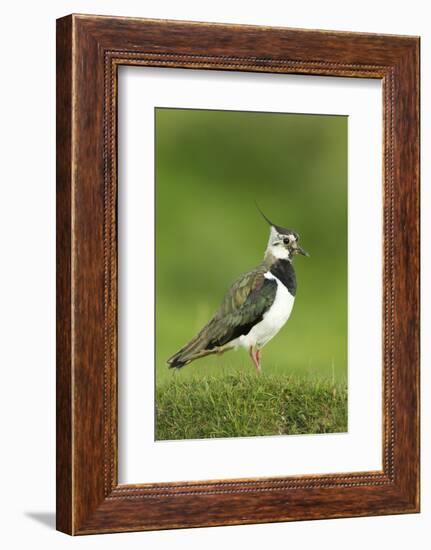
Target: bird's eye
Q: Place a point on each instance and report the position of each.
(286, 241)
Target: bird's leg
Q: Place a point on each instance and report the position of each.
(255, 357)
(258, 360)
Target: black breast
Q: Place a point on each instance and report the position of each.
(283, 270)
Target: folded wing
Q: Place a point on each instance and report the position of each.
(243, 306)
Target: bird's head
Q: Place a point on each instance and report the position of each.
(283, 243)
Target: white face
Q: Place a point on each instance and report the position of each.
(278, 245)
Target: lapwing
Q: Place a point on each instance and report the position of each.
(255, 308)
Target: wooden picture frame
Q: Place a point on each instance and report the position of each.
(89, 51)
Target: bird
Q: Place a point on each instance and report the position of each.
(256, 306)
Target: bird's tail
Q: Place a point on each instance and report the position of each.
(198, 347)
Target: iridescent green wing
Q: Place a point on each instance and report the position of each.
(244, 305)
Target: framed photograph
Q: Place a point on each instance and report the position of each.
(237, 274)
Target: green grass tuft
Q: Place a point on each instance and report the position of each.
(244, 405)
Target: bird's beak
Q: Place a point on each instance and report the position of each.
(299, 250)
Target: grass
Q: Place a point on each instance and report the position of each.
(243, 404)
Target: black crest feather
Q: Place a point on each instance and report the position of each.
(278, 228)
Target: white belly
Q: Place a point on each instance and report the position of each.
(273, 320)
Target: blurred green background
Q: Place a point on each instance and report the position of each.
(210, 168)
